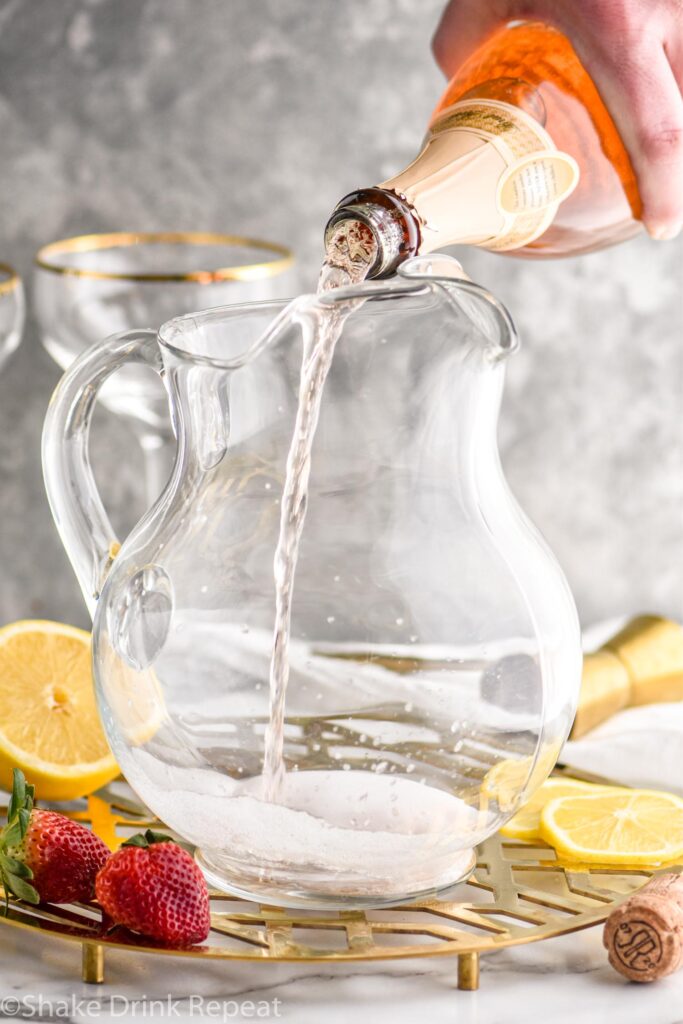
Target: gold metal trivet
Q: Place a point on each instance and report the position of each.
(519, 892)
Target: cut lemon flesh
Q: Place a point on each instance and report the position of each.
(49, 723)
(507, 778)
(629, 826)
(526, 823)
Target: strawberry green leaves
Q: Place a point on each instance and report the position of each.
(14, 874)
(147, 839)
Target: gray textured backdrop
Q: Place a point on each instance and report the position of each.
(255, 116)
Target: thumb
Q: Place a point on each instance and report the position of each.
(464, 25)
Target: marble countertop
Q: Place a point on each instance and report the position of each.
(562, 980)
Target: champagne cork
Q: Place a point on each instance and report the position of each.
(644, 935)
(642, 664)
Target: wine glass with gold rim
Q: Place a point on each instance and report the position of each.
(91, 286)
(12, 311)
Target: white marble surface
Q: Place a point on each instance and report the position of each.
(562, 981)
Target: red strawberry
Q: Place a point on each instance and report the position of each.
(152, 886)
(60, 857)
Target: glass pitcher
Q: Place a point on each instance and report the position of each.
(435, 655)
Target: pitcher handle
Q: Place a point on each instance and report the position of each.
(77, 508)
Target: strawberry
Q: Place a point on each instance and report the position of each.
(152, 886)
(44, 856)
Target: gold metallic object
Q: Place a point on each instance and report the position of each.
(93, 963)
(278, 257)
(642, 664)
(468, 971)
(9, 279)
(518, 893)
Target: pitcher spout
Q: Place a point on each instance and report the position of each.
(489, 316)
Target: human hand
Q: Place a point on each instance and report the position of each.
(633, 51)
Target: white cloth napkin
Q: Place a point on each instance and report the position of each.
(641, 746)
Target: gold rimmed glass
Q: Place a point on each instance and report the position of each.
(91, 286)
(12, 310)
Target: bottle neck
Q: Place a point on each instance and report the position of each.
(391, 220)
(488, 174)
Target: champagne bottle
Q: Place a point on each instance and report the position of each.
(521, 157)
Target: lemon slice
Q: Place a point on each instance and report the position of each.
(505, 781)
(526, 823)
(49, 724)
(630, 826)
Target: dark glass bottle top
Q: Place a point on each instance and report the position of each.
(391, 220)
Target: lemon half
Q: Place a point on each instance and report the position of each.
(49, 723)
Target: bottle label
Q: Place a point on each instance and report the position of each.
(533, 176)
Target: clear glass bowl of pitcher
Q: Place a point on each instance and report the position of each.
(434, 657)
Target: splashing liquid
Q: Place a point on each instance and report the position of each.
(350, 254)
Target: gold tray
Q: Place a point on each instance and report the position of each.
(519, 892)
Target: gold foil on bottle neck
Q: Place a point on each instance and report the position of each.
(489, 174)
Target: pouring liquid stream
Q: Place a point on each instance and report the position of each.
(349, 256)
